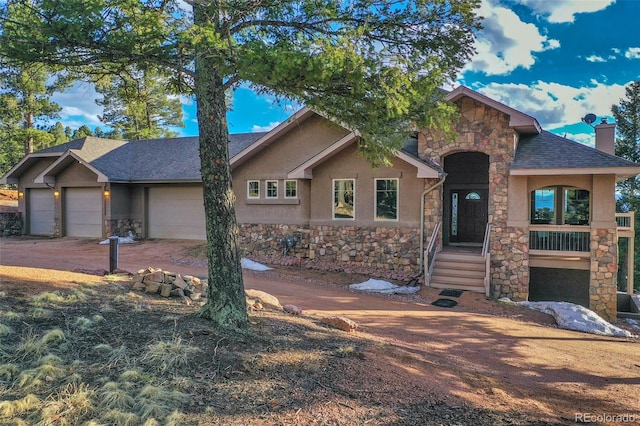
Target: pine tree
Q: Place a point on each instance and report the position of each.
(627, 145)
(138, 104)
(377, 65)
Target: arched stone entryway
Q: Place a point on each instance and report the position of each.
(466, 194)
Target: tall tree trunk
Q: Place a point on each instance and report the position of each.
(28, 125)
(226, 305)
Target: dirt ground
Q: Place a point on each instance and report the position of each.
(481, 362)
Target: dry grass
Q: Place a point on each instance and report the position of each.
(119, 358)
(68, 406)
(32, 346)
(169, 355)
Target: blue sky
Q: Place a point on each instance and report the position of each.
(556, 60)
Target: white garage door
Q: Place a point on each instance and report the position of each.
(176, 212)
(83, 212)
(40, 210)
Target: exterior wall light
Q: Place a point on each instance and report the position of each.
(56, 194)
(106, 193)
(20, 194)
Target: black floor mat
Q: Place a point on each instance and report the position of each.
(451, 293)
(445, 303)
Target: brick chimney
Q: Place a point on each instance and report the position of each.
(605, 137)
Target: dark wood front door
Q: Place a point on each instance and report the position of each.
(469, 210)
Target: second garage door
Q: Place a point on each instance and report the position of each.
(40, 209)
(83, 212)
(177, 213)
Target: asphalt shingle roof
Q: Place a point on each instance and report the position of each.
(173, 159)
(411, 148)
(549, 151)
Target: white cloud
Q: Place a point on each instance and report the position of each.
(79, 105)
(632, 53)
(595, 58)
(505, 42)
(584, 138)
(555, 105)
(257, 128)
(559, 11)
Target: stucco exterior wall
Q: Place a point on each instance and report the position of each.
(348, 164)
(389, 247)
(77, 175)
(485, 129)
(272, 163)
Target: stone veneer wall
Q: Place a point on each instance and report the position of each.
(604, 273)
(10, 224)
(393, 252)
(485, 129)
(122, 227)
(432, 211)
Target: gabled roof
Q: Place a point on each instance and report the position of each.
(157, 160)
(523, 123)
(549, 154)
(23, 165)
(91, 152)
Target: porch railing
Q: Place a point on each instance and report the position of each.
(559, 239)
(430, 254)
(625, 221)
(487, 258)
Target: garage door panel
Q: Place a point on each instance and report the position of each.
(83, 212)
(177, 213)
(41, 208)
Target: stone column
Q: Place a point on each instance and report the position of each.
(604, 273)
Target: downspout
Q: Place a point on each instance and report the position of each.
(424, 194)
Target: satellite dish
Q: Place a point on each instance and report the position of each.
(590, 119)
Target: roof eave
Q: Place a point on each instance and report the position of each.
(524, 123)
(619, 172)
(48, 174)
(423, 170)
(163, 181)
(13, 175)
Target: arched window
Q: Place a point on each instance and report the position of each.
(473, 196)
(560, 205)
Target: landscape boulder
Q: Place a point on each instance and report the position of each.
(341, 323)
(292, 309)
(264, 299)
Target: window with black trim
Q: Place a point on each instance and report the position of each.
(560, 205)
